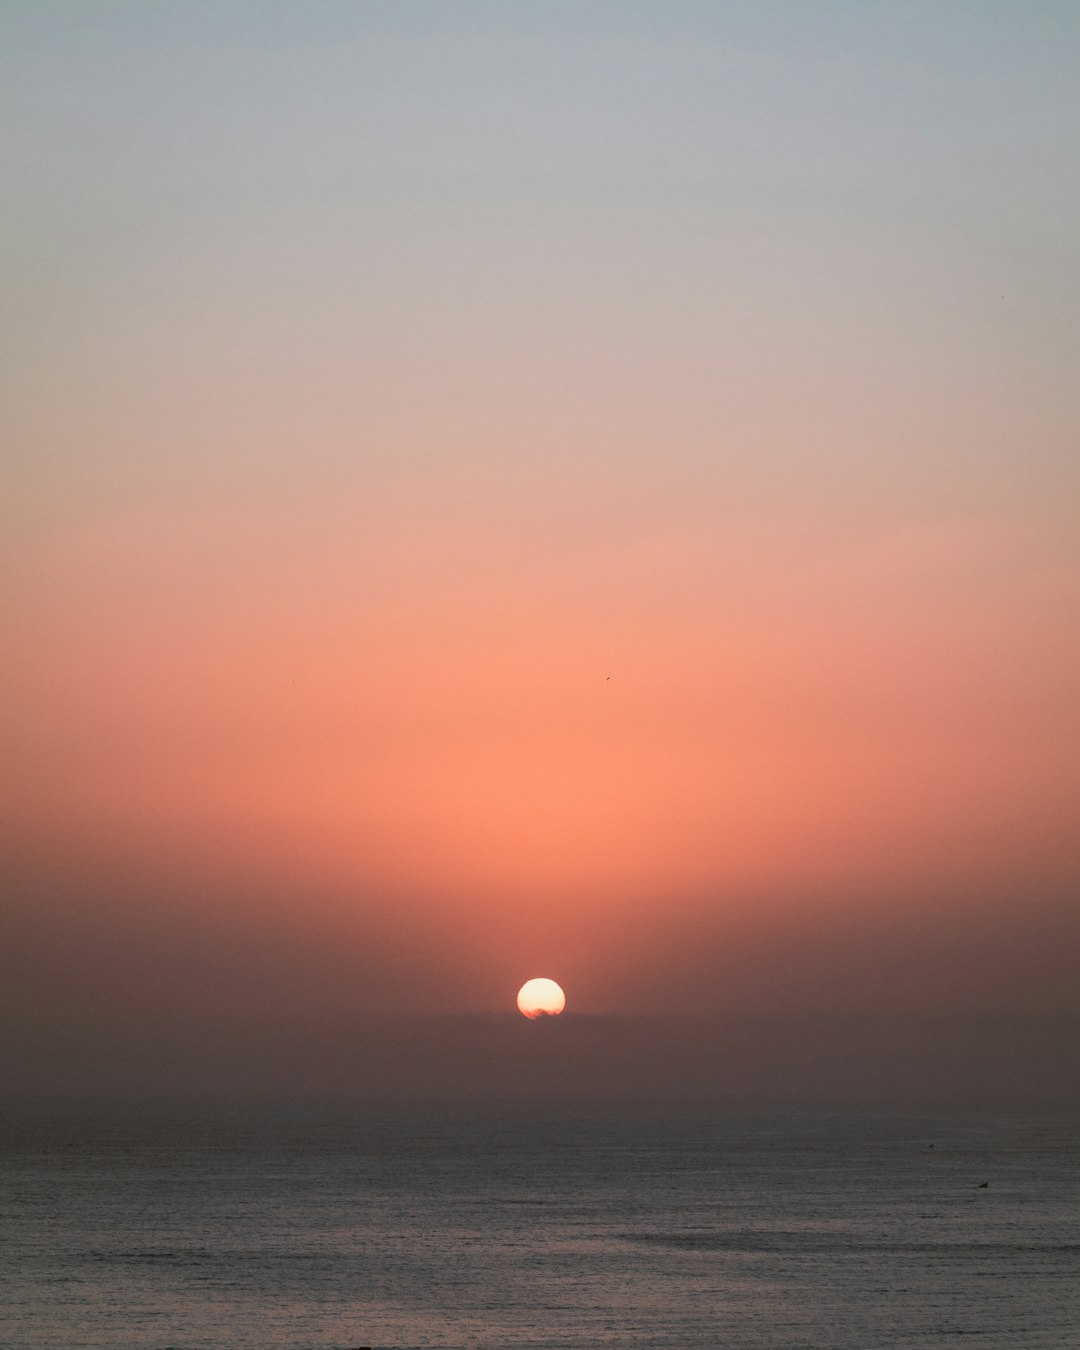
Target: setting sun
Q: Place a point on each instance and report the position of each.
(537, 998)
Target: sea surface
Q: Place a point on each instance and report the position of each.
(218, 1228)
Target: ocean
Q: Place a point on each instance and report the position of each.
(330, 1227)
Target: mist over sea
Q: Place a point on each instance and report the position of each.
(220, 1227)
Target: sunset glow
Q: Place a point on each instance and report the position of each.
(504, 487)
(499, 487)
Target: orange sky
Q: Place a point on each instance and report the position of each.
(609, 515)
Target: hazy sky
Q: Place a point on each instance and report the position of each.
(582, 489)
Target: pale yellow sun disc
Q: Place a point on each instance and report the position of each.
(537, 998)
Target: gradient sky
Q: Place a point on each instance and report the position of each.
(583, 489)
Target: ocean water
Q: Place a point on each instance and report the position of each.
(219, 1228)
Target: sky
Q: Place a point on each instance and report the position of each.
(508, 489)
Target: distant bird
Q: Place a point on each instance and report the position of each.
(983, 1185)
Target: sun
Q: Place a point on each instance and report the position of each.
(537, 998)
